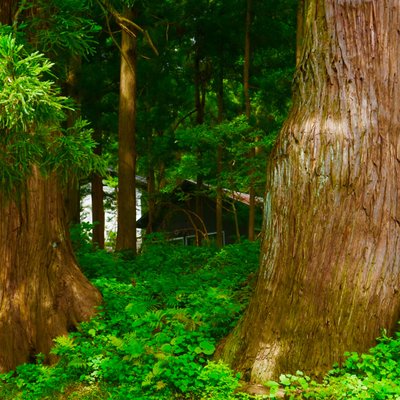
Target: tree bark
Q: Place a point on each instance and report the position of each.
(219, 199)
(43, 293)
(199, 88)
(7, 9)
(97, 195)
(151, 196)
(98, 214)
(72, 191)
(329, 277)
(126, 235)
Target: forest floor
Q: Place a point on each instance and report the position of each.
(163, 314)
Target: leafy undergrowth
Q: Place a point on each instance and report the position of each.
(375, 375)
(154, 336)
(162, 316)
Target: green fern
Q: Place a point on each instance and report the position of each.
(63, 345)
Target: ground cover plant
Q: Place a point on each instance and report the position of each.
(374, 375)
(162, 316)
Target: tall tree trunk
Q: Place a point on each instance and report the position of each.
(219, 201)
(246, 64)
(72, 190)
(200, 99)
(199, 89)
(97, 194)
(126, 235)
(246, 89)
(330, 270)
(151, 196)
(42, 291)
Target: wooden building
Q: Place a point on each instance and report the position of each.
(188, 215)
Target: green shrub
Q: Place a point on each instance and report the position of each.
(216, 382)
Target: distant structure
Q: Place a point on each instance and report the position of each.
(188, 215)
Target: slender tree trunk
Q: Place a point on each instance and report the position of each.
(219, 202)
(151, 192)
(246, 65)
(246, 88)
(199, 205)
(200, 107)
(199, 90)
(97, 194)
(330, 269)
(72, 190)
(42, 291)
(98, 214)
(126, 235)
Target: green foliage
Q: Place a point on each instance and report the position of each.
(217, 382)
(199, 146)
(31, 114)
(162, 316)
(62, 27)
(374, 375)
(27, 100)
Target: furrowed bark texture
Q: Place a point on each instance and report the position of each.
(7, 8)
(329, 278)
(126, 235)
(43, 293)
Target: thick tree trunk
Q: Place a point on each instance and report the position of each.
(329, 279)
(72, 199)
(126, 235)
(42, 291)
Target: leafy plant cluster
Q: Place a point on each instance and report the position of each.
(153, 338)
(32, 112)
(199, 146)
(374, 375)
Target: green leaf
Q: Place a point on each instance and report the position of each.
(207, 347)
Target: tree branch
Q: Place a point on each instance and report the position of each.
(126, 24)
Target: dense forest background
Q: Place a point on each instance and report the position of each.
(207, 109)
